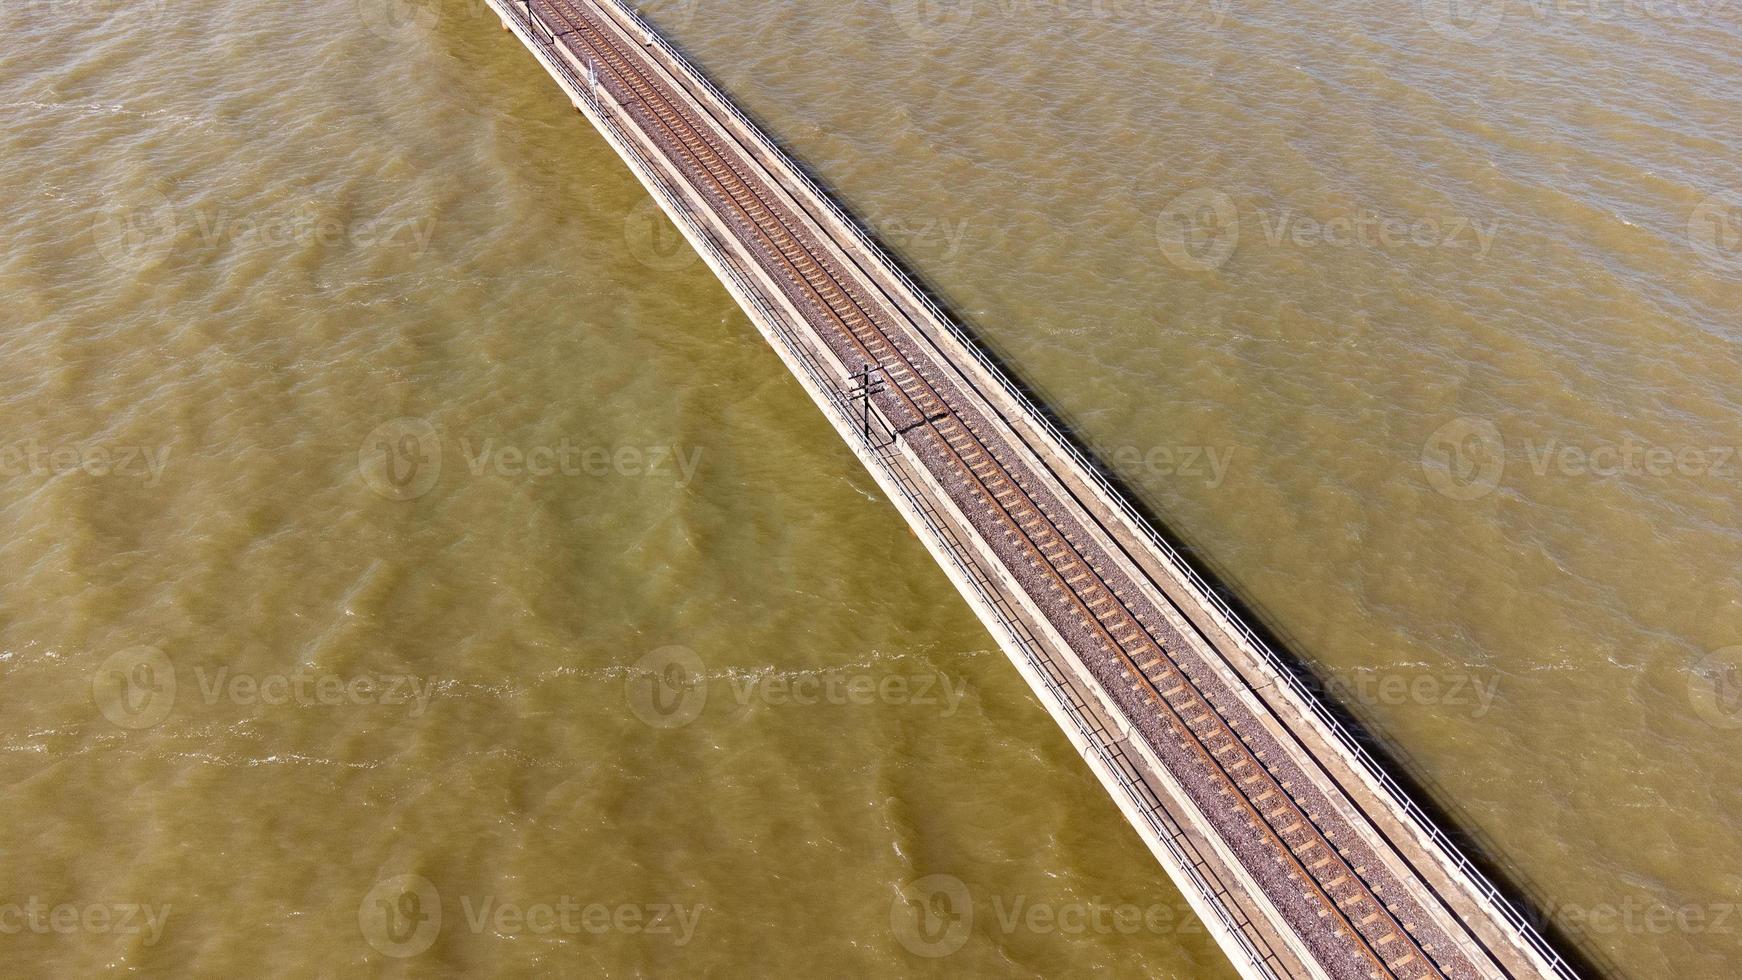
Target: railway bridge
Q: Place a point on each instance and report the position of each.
(1303, 857)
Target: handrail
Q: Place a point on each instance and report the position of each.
(1037, 417)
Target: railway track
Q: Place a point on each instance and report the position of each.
(1339, 900)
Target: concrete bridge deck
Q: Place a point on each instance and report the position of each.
(1297, 850)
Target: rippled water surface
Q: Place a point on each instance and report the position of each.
(368, 441)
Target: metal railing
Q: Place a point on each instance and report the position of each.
(1038, 418)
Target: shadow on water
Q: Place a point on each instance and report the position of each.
(1530, 900)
